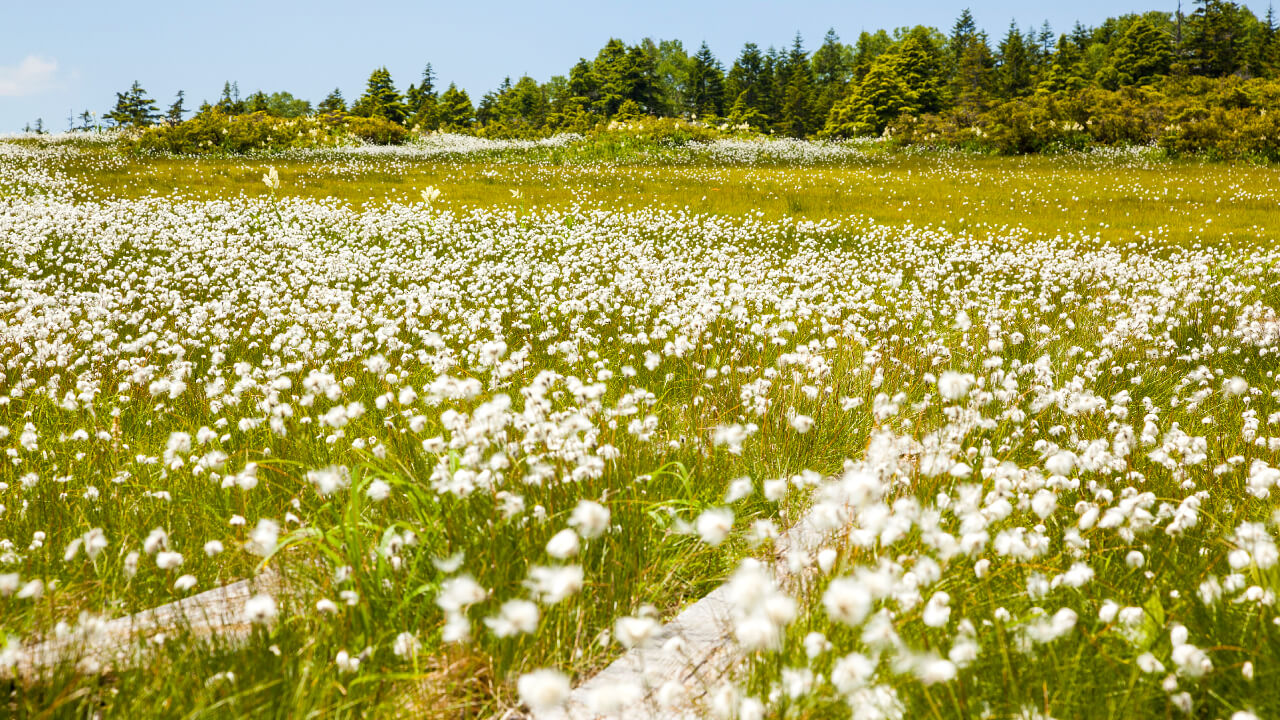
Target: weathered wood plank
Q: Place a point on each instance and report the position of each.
(702, 655)
(120, 643)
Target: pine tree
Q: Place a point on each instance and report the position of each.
(747, 83)
(641, 79)
(333, 104)
(1269, 47)
(971, 63)
(705, 93)
(381, 99)
(421, 99)
(1045, 40)
(611, 68)
(1064, 74)
(795, 117)
(881, 96)
(584, 87)
(832, 67)
(456, 111)
(176, 110)
(869, 48)
(1142, 54)
(134, 109)
(919, 60)
(773, 82)
(1013, 73)
(1215, 36)
(230, 102)
(623, 74)
(525, 106)
(257, 102)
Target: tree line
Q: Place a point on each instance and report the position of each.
(838, 90)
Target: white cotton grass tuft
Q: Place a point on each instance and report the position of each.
(714, 525)
(563, 545)
(260, 609)
(515, 617)
(591, 519)
(378, 490)
(953, 386)
(543, 690)
(1068, 430)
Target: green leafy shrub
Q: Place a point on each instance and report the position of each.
(373, 130)
(254, 132)
(1219, 118)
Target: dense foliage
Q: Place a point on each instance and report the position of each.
(1197, 82)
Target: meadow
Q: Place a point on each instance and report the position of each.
(493, 412)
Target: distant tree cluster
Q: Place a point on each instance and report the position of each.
(838, 90)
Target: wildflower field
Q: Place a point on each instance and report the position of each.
(477, 418)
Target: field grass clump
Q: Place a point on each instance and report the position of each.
(492, 419)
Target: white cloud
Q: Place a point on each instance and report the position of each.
(33, 75)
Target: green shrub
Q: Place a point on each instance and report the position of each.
(254, 132)
(372, 130)
(1218, 118)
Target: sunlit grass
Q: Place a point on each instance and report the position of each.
(1082, 295)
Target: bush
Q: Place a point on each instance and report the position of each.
(1224, 118)
(372, 130)
(218, 132)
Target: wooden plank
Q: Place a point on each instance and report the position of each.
(120, 643)
(702, 655)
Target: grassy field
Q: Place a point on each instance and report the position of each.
(1120, 198)
(511, 427)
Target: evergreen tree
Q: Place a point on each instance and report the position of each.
(134, 109)
(487, 111)
(456, 111)
(612, 73)
(909, 80)
(747, 83)
(1045, 40)
(1215, 38)
(880, 97)
(86, 121)
(525, 106)
(920, 61)
(381, 99)
(1269, 46)
(1142, 54)
(257, 102)
(333, 104)
(773, 83)
(641, 79)
(971, 62)
(1064, 74)
(584, 87)
(176, 110)
(705, 93)
(832, 67)
(230, 103)
(1013, 71)
(795, 116)
(622, 74)
(869, 48)
(420, 101)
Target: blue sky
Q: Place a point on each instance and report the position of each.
(73, 55)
